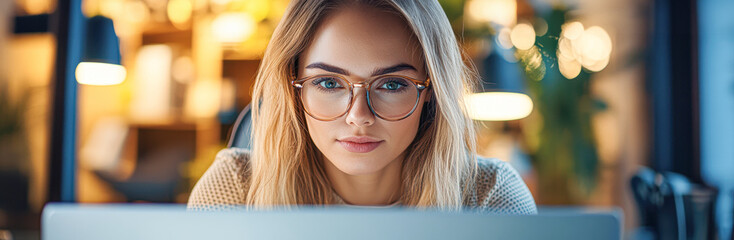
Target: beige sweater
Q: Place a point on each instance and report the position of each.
(499, 188)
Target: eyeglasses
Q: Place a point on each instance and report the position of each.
(327, 97)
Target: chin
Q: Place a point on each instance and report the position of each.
(359, 165)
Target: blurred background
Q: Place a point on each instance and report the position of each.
(626, 104)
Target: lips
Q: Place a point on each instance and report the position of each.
(359, 144)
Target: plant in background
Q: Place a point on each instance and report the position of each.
(559, 67)
(557, 58)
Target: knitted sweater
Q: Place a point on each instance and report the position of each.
(499, 188)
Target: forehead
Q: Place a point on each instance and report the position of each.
(361, 38)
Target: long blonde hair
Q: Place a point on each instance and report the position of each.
(284, 166)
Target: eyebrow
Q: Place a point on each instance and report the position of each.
(376, 72)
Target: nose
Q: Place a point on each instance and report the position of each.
(360, 114)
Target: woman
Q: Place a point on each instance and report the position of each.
(359, 102)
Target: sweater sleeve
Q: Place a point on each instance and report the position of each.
(504, 190)
(223, 185)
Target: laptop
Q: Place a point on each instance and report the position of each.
(172, 221)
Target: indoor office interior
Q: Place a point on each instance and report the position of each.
(598, 104)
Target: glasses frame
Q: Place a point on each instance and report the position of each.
(367, 84)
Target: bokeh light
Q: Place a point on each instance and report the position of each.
(503, 38)
(233, 27)
(569, 67)
(523, 36)
(498, 106)
(541, 27)
(259, 9)
(595, 46)
(136, 12)
(590, 49)
(204, 99)
(572, 30)
(179, 11)
(502, 12)
(100, 74)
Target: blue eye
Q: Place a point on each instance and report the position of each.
(327, 82)
(393, 85)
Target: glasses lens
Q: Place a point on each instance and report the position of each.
(393, 97)
(325, 97)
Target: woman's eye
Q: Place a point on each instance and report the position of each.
(328, 83)
(392, 85)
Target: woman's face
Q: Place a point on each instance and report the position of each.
(355, 42)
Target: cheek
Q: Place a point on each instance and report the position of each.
(403, 132)
(318, 131)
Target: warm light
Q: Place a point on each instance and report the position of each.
(523, 36)
(182, 69)
(220, 2)
(503, 38)
(498, 106)
(502, 12)
(565, 47)
(101, 74)
(233, 27)
(33, 7)
(151, 99)
(156, 5)
(112, 9)
(594, 46)
(569, 67)
(590, 48)
(136, 12)
(258, 9)
(179, 11)
(228, 95)
(604, 44)
(204, 99)
(572, 30)
(597, 66)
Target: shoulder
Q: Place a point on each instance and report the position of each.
(233, 157)
(500, 189)
(223, 185)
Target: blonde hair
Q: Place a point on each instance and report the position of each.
(284, 166)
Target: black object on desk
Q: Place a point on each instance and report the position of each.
(671, 207)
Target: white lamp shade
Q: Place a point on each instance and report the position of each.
(498, 106)
(100, 74)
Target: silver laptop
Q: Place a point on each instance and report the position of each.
(164, 221)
